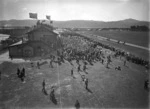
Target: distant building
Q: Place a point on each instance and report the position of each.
(39, 41)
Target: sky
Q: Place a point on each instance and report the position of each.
(62, 10)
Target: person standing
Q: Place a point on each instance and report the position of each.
(32, 64)
(51, 63)
(72, 74)
(52, 97)
(59, 61)
(77, 104)
(43, 89)
(83, 78)
(23, 72)
(22, 75)
(84, 68)
(102, 61)
(18, 72)
(124, 63)
(86, 83)
(79, 69)
(77, 61)
(38, 65)
(70, 61)
(107, 63)
(43, 83)
(146, 84)
(0, 74)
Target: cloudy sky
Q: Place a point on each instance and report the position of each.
(101, 10)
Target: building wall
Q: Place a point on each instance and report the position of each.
(15, 51)
(28, 51)
(33, 49)
(40, 49)
(45, 36)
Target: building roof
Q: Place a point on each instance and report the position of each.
(43, 26)
(18, 32)
(26, 43)
(17, 43)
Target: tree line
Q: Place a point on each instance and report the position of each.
(139, 28)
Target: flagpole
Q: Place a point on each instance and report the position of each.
(34, 16)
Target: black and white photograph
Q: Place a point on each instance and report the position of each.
(74, 54)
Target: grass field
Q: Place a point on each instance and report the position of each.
(138, 38)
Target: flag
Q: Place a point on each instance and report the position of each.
(33, 15)
(48, 17)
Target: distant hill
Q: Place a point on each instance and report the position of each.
(79, 23)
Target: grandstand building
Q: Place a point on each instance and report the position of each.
(39, 41)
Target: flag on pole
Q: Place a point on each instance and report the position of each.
(33, 15)
(48, 17)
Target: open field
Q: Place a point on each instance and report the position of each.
(133, 37)
(109, 88)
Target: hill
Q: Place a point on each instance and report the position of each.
(79, 23)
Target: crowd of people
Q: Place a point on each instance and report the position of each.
(89, 52)
(130, 57)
